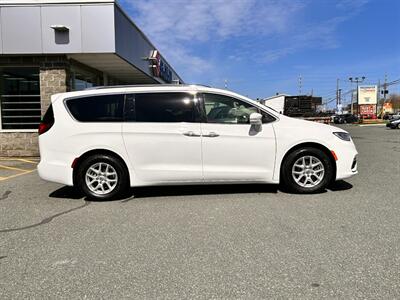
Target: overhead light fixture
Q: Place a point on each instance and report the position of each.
(60, 28)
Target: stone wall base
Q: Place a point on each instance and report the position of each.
(19, 144)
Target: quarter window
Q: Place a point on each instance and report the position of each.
(102, 108)
(165, 107)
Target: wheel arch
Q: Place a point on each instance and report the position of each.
(99, 151)
(312, 145)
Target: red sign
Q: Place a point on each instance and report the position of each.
(155, 59)
(367, 109)
(159, 67)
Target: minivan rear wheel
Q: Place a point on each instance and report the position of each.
(102, 177)
(307, 170)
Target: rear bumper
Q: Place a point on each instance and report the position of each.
(55, 172)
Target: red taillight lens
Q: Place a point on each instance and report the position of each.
(43, 127)
(47, 121)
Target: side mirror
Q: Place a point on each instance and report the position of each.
(255, 119)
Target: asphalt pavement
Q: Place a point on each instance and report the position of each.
(220, 242)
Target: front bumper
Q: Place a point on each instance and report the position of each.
(347, 164)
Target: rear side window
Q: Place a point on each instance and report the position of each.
(165, 107)
(102, 108)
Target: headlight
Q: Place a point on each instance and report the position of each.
(343, 136)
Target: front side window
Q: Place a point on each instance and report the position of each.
(164, 107)
(228, 110)
(101, 108)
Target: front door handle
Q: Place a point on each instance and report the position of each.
(190, 133)
(211, 134)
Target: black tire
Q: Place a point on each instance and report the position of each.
(287, 165)
(122, 178)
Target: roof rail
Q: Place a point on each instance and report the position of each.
(100, 87)
(142, 85)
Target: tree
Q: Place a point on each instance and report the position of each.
(395, 100)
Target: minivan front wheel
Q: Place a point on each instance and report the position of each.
(307, 170)
(102, 177)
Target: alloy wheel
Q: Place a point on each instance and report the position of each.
(101, 178)
(308, 171)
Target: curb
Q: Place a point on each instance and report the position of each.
(370, 125)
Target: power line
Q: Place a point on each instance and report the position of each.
(348, 92)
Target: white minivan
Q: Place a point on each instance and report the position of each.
(105, 140)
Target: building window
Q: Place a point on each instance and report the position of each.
(19, 98)
(81, 82)
(82, 79)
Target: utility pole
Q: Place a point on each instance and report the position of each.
(358, 81)
(300, 84)
(337, 94)
(385, 91)
(378, 99)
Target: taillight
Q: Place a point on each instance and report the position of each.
(43, 127)
(47, 121)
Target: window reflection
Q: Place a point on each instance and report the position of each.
(82, 78)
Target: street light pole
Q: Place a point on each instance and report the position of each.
(356, 80)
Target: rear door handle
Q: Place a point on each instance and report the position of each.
(190, 133)
(211, 134)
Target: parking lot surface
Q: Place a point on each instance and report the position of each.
(13, 167)
(224, 242)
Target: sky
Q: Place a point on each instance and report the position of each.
(262, 47)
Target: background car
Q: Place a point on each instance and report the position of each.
(395, 123)
(345, 118)
(395, 116)
(386, 116)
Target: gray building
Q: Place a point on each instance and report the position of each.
(53, 46)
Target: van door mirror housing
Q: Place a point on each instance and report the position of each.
(255, 119)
